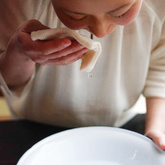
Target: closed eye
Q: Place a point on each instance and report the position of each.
(77, 19)
(120, 16)
(75, 16)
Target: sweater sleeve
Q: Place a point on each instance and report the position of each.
(155, 83)
(17, 92)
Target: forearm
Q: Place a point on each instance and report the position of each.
(15, 67)
(155, 121)
(155, 114)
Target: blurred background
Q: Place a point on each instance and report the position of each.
(138, 108)
(4, 110)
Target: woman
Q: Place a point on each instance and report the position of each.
(132, 35)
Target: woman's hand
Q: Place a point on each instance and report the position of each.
(57, 51)
(18, 62)
(155, 123)
(158, 137)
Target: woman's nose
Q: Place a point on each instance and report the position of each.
(101, 28)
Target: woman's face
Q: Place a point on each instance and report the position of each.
(99, 17)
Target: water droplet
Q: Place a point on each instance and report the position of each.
(89, 75)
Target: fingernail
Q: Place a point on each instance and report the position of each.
(82, 46)
(67, 43)
(85, 50)
(162, 143)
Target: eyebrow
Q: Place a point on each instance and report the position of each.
(112, 11)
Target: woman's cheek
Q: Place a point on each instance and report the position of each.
(127, 19)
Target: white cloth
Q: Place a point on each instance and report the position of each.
(132, 62)
(82, 39)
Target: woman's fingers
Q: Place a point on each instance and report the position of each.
(41, 48)
(58, 51)
(34, 49)
(73, 47)
(158, 137)
(64, 56)
(66, 60)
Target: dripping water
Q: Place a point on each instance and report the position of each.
(89, 75)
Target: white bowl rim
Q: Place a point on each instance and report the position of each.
(75, 130)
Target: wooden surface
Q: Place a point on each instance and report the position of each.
(4, 110)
